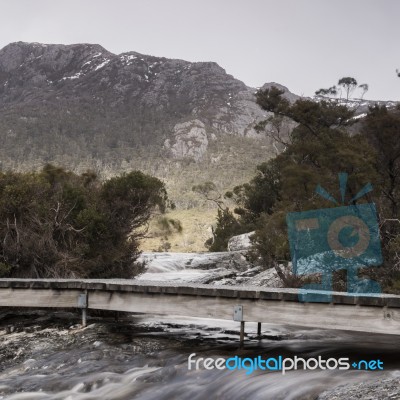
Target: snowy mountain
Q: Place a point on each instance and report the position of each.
(59, 99)
(83, 107)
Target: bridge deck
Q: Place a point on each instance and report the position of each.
(358, 312)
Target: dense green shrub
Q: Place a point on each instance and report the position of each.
(54, 223)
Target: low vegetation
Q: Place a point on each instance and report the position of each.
(55, 223)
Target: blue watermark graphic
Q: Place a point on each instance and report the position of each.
(331, 239)
(282, 364)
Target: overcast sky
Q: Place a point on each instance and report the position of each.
(302, 44)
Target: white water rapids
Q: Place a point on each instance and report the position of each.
(145, 357)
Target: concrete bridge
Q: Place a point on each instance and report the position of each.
(355, 312)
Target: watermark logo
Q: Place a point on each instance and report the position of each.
(331, 239)
(280, 363)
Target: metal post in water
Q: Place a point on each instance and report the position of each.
(84, 316)
(83, 304)
(238, 316)
(259, 329)
(241, 334)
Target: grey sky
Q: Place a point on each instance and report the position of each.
(302, 44)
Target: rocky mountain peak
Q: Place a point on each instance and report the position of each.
(54, 56)
(67, 103)
(286, 92)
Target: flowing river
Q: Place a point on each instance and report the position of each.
(47, 355)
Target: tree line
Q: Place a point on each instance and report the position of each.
(326, 141)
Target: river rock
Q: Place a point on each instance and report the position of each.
(220, 268)
(267, 278)
(240, 242)
(372, 389)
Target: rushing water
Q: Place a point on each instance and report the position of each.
(47, 356)
(146, 358)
